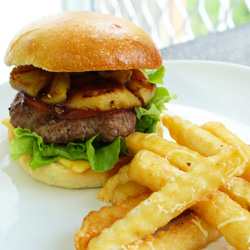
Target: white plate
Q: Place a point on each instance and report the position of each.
(36, 216)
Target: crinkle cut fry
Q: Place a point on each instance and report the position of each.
(206, 133)
(128, 189)
(219, 206)
(192, 136)
(208, 138)
(105, 193)
(191, 233)
(220, 131)
(96, 221)
(111, 192)
(138, 141)
(237, 188)
(170, 201)
(227, 216)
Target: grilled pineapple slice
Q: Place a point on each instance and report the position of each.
(120, 76)
(102, 95)
(58, 89)
(139, 74)
(29, 79)
(144, 90)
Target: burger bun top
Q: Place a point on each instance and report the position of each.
(78, 41)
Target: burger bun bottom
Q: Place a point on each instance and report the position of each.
(55, 174)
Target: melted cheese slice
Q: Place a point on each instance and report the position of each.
(78, 166)
(6, 123)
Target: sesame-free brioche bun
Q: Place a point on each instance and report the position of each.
(55, 174)
(78, 41)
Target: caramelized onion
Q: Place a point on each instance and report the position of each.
(36, 104)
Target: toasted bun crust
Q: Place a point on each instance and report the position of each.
(56, 174)
(80, 41)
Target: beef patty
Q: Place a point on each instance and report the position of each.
(53, 129)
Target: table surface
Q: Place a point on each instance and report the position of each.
(229, 46)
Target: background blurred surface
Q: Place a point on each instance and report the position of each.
(14, 14)
(172, 21)
(168, 22)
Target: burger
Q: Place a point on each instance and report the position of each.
(85, 81)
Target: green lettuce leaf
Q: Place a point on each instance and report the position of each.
(102, 157)
(156, 76)
(149, 116)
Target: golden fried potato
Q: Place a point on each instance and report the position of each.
(152, 171)
(105, 194)
(29, 79)
(137, 141)
(183, 179)
(128, 189)
(159, 129)
(190, 234)
(166, 174)
(238, 190)
(227, 217)
(171, 200)
(96, 221)
(207, 140)
(192, 136)
(183, 159)
(58, 89)
(220, 131)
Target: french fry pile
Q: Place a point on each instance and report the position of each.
(199, 183)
